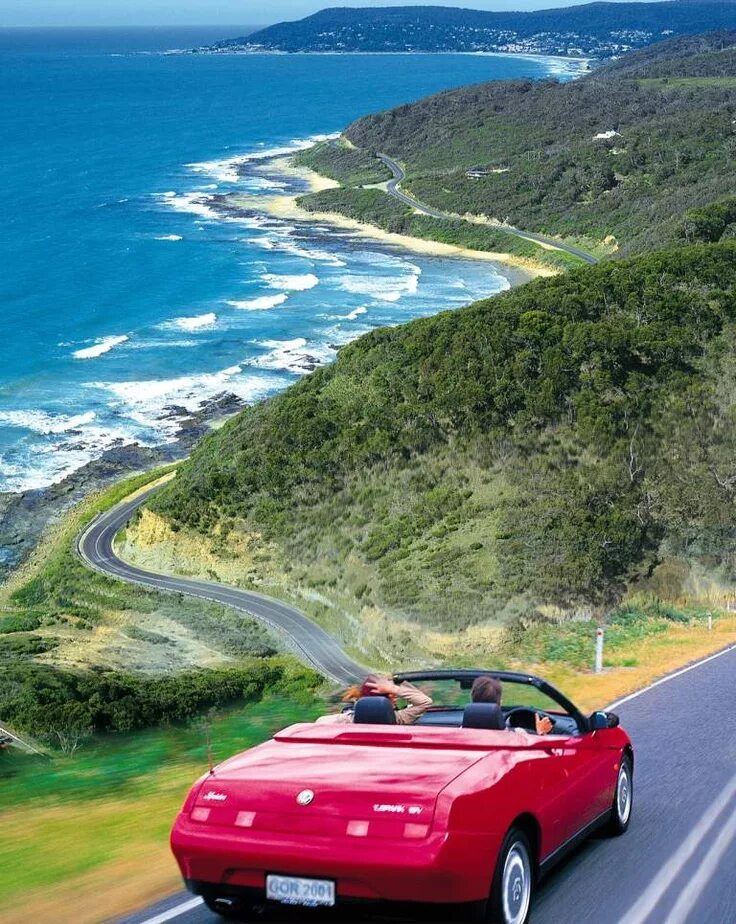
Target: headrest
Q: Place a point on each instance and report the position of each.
(483, 715)
(374, 710)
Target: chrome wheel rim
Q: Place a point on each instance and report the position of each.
(516, 885)
(623, 794)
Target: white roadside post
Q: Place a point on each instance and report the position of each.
(710, 621)
(598, 650)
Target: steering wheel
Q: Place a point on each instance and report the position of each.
(527, 711)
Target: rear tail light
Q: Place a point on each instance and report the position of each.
(416, 830)
(357, 829)
(245, 819)
(192, 794)
(200, 814)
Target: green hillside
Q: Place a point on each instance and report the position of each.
(543, 448)
(667, 120)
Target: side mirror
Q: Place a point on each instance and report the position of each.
(600, 720)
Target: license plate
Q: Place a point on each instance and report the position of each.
(291, 890)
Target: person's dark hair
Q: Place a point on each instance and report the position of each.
(486, 690)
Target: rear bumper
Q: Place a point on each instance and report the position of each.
(439, 869)
(233, 899)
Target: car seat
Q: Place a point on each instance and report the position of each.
(374, 710)
(484, 715)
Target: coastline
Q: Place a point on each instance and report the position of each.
(517, 270)
(26, 516)
(580, 63)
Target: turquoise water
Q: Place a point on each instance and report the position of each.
(127, 300)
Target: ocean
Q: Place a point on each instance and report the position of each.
(128, 300)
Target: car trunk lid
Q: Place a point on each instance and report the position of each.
(336, 780)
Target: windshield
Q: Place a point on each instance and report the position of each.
(454, 694)
(520, 703)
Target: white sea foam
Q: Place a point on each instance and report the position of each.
(103, 345)
(146, 401)
(382, 288)
(191, 203)
(263, 303)
(44, 422)
(291, 247)
(298, 144)
(227, 170)
(198, 322)
(361, 309)
(339, 335)
(162, 344)
(169, 237)
(79, 440)
(291, 283)
(298, 355)
(262, 182)
(377, 258)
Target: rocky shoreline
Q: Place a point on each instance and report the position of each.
(25, 516)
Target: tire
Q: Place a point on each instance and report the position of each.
(513, 881)
(623, 799)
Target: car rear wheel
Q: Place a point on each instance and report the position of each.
(623, 799)
(513, 881)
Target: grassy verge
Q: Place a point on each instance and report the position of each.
(115, 802)
(56, 550)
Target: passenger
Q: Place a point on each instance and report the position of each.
(489, 690)
(418, 702)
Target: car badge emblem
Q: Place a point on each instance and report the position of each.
(305, 797)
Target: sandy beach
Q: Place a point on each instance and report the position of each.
(517, 270)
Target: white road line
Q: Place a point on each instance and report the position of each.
(662, 882)
(174, 912)
(684, 670)
(690, 895)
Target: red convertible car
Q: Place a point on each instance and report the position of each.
(461, 812)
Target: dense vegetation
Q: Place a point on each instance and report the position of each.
(543, 447)
(376, 208)
(597, 29)
(63, 704)
(670, 146)
(101, 649)
(348, 165)
(521, 459)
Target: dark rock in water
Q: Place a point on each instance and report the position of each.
(25, 516)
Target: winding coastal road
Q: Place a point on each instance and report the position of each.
(308, 640)
(392, 188)
(674, 866)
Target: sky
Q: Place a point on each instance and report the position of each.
(210, 12)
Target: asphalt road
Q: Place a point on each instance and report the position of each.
(393, 190)
(308, 640)
(677, 862)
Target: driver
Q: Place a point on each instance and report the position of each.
(488, 690)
